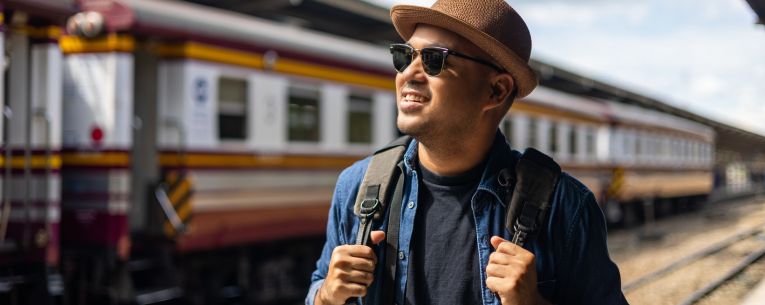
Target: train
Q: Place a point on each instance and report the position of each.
(163, 151)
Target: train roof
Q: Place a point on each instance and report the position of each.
(371, 23)
(180, 19)
(56, 10)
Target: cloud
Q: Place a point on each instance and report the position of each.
(702, 55)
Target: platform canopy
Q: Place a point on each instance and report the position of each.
(759, 8)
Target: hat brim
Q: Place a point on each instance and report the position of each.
(405, 19)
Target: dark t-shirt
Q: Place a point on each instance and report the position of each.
(444, 260)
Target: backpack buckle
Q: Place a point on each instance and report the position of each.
(369, 207)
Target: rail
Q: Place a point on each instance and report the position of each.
(710, 250)
(704, 291)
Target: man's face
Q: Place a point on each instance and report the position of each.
(446, 105)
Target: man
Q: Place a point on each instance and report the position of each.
(463, 65)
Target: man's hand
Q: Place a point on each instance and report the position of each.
(351, 271)
(512, 274)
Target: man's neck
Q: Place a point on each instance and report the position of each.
(450, 157)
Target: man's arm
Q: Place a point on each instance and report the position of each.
(591, 276)
(351, 271)
(343, 270)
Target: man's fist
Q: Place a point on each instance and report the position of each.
(512, 274)
(351, 271)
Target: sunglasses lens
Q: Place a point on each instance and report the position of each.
(432, 61)
(402, 57)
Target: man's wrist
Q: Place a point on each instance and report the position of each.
(320, 296)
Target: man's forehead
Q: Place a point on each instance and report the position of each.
(432, 36)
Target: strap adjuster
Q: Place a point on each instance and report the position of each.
(369, 207)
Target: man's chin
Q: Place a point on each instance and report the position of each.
(413, 130)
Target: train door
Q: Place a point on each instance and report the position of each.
(97, 141)
(31, 184)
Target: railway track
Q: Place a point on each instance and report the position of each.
(691, 279)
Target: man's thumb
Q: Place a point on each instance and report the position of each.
(496, 241)
(377, 236)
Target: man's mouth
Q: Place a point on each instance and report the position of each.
(413, 97)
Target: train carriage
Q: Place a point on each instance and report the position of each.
(30, 225)
(622, 153)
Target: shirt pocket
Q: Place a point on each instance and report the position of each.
(546, 288)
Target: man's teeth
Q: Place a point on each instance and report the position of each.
(414, 98)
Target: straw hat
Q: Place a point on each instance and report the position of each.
(492, 25)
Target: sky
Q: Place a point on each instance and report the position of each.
(705, 56)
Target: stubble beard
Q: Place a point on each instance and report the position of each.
(445, 139)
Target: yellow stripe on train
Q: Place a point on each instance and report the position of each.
(255, 60)
(110, 43)
(116, 159)
(36, 162)
(43, 32)
(196, 160)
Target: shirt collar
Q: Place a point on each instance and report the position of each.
(500, 156)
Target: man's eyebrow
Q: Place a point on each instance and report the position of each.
(431, 45)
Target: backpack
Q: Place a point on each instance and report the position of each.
(530, 186)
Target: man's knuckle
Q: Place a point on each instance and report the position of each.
(491, 268)
(507, 247)
(338, 250)
(494, 257)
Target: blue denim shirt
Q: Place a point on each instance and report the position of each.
(572, 262)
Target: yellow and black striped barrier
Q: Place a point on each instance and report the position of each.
(617, 183)
(179, 191)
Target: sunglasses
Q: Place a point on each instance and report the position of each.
(433, 58)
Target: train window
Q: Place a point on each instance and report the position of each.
(532, 133)
(572, 141)
(359, 119)
(232, 108)
(638, 145)
(304, 114)
(553, 138)
(590, 143)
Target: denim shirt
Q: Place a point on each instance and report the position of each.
(572, 261)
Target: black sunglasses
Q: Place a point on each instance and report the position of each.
(433, 58)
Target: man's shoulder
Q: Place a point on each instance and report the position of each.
(349, 180)
(355, 172)
(574, 204)
(571, 184)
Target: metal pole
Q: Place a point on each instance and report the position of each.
(27, 166)
(7, 178)
(42, 113)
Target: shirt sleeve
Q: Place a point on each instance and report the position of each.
(339, 225)
(592, 277)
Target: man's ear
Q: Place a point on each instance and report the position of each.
(501, 87)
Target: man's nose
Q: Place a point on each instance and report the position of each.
(415, 70)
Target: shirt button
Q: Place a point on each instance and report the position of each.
(400, 255)
(410, 205)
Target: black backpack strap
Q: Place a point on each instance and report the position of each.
(391, 239)
(536, 176)
(377, 179)
(376, 192)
